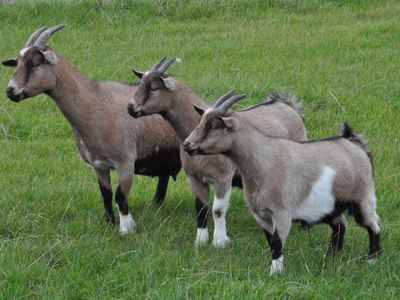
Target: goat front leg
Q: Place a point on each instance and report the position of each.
(276, 227)
(126, 222)
(201, 192)
(161, 191)
(220, 207)
(103, 177)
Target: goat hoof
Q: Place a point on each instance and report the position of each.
(201, 237)
(221, 241)
(276, 266)
(127, 224)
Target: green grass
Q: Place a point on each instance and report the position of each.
(340, 57)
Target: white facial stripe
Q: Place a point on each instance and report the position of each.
(220, 207)
(17, 90)
(320, 202)
(22, 52)
(133, 101)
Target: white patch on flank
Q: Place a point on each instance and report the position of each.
(276, 266)
(17, 90)
(126, 224)
(22, 52)
(320, 202)
(201, 237)
(220, 238)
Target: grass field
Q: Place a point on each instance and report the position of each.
(340, 57)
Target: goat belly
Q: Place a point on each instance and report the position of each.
(164, 162)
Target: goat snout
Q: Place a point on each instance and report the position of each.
(190, 149)
(134, 111)
(10, 91)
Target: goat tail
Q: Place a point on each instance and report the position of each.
(348, 133)
(289, 99)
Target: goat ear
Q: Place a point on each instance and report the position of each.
(138, 74)
(231, 123)
(10, 62)
(199, 110)
(49, 57)
(169, 83)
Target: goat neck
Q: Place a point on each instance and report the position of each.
(181, 114)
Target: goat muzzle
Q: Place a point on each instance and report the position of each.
(190, 149)
(135, 112)
(14, 97)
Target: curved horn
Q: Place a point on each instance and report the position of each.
(34, 36)
(223, 108)
(159, 63)
(44, 37)
(223, 98)
(163, 68)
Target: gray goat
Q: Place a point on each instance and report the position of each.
(106, 136)
(164, 94)
(283, 180)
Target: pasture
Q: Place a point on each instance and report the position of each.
(341, 58)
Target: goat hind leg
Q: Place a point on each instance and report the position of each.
(161, 191)
(366, 216)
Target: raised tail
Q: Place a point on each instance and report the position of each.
(348, 133)
(286, 98)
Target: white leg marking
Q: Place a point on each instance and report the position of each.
(126, 223)
(276, 266)
(372, 261)
(320, 202)
(220, 207)
(201, 237)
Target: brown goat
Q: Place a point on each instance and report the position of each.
(283, 180)
(106, 136)
(174, 100)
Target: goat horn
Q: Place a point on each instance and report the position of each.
(223, 98)
(44, 37)
(159, 63)
(223, 108)
(163, 68)
(34, 36)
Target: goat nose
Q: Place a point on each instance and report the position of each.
(9, 90)
(186, 144)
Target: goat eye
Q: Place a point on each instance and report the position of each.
(215, 124)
